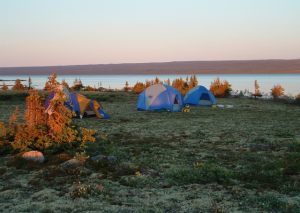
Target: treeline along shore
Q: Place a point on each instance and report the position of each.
(176, 67)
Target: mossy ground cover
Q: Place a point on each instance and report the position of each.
(245, 159)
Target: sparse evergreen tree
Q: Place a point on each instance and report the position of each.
(29, 83)
(77, 85)
(193, 82)
(65, 84)
(181, 85)
(257, 92)
(52, 83)
(168, 82)
(4, 87)
(35, 115)
(18, 85)
(42, 130)
(157, 81)
(148, 84)
(126, 88)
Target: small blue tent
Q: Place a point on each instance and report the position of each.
(160, 97)
(200, 96)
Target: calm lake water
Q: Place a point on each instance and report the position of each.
(291, 82)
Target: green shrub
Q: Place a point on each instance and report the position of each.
(272, 203)
(259, 171)
(291, 164)
(208, 173)
(138, 181)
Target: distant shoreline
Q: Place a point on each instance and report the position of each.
(158, 74)
(166, 68)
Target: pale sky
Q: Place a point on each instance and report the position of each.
(67, 32)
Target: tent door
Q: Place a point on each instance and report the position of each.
(205, 100)
(176, 106)
(89, 112)
(176, 101)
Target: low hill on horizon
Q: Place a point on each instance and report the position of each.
(177, 67)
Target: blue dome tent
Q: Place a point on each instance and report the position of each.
(200, 96)
(160, 97)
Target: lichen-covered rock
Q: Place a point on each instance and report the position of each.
(104, 159)
(98, 158)
(100, 162)
(34, 156)
(71, 164)
(111, 159)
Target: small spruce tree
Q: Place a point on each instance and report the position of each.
(18, 85)
(4, 87)
(51, 83)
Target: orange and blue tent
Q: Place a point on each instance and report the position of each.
(81, 105)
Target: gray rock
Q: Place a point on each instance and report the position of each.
(71, 164)
(112, 159)
(98, 158)
(104, 159)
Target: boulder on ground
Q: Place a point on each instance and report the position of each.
(71, 164)
(34, 156)
(104, 159)
(98, 158)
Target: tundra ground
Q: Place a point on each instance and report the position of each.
(242, 159)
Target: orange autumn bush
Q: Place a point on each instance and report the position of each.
(181, 85)
(4, 87)
(43, 128)
(184, 86)
(193, 82)
(12, 121)
(220, 89)
(87, 135)
(59, 119)
(35, 112)
(138, 87)
(277, 91)
(7, 132)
